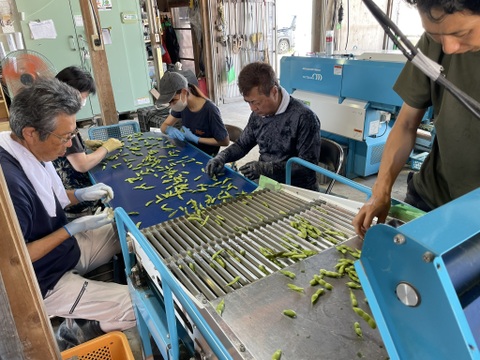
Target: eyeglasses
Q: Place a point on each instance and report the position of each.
(66, 138)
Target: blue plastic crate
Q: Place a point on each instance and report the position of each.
(116, 130)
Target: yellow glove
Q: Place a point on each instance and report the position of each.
(93, 144)
(112, 144)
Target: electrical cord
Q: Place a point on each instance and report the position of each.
(386, 127)
(98, 41)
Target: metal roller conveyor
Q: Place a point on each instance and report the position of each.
(235, 252)
(225, 247)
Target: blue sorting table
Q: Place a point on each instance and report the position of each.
(156, 179)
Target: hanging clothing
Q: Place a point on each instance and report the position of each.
(165, 55)
(171, 44)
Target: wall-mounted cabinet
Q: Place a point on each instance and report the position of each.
(122, 29)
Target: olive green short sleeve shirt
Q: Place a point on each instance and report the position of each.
(453, 167)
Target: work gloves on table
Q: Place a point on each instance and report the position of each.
(182, 135)
(110, 145)
(89, 222)
(254, 169)
(95, 192)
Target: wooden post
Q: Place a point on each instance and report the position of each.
(98, 56)
(24, 318)
(208, 49)
(318, 26)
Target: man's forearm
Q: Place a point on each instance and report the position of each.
(39, 248)
(397, 149)
(232, 153)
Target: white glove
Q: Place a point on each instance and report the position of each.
(94, 192)
(88, 222)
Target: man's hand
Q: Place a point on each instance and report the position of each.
(214, 166)
(254, 169)
(94, 192)
(112, 144)
(88, 222)
(375, 207)
(174, 133)
(189, 135)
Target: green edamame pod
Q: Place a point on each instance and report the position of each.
(332, 274)
(323, 283)
(277, 355)
(295, 288)
(353, 285)
(369, 320)
(217, 253)
(234, 281)
(290, 274)
(358, 329)
(353, 299)
(290, 313)
(220, 307)
(263, 269)
(317, 294)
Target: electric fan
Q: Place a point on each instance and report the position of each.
(22, 67)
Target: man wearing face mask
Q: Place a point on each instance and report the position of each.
(201, 121)
(73, 167)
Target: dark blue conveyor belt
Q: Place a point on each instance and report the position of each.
(156, 179)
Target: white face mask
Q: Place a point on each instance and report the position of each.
(84, 102)
(179, 105)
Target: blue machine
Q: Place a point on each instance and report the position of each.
(422, 282)
(353, 99)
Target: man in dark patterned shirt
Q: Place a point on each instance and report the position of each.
(281, 126)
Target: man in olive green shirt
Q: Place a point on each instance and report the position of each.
(452, 169)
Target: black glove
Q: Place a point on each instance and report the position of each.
(254, 169)
(214, 166)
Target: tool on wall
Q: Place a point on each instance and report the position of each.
(266, 58)
(220, 26)
(97, 42)
(235, 38)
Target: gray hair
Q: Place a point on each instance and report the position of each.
(39, 105)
